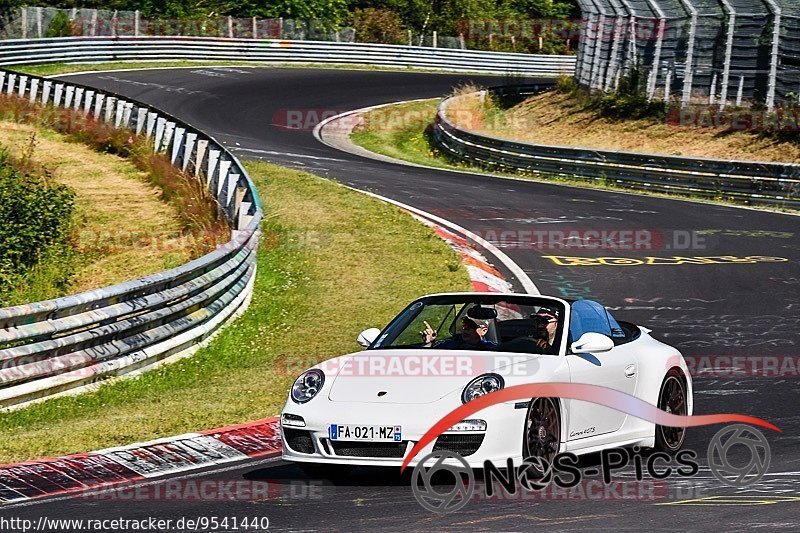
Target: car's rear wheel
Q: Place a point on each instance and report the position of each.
(542, 436)
(673, 399)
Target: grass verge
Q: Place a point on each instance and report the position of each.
(388, 131)
(566, 118)
(332, 262)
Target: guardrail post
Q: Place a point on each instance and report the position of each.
(177, 144)
(433, 41)
(98, 105)
(110, 103)
(46, 86)
(126, 114)
(23, 84)
(244, 219)
(78, 95)
(160, 123)
(191, 138)
(34, 90)
(213, 159)
(151, 121)
(255, 28)
(87, 102)
(2, 80)
(230, 27)
(141, 118)
(57, 94)
(233, 180)
(202, 148)
(169, 129)
(69, 93)
(136, 23)
(224, 168)
(119, 111)
(12, 78)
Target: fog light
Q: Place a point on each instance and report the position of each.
(469, 425)
(293, 420)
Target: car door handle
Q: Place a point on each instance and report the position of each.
(630, 371)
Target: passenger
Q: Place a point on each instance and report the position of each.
(541, 338)
(473, 331)
(545, 326)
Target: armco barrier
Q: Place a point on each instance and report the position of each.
(64, 344)
(93, 49)
(755, 183)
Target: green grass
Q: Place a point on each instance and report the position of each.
(411, 143)
(332, 262)
(55, 69)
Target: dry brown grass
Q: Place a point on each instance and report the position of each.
(119, 212)
(556, 119)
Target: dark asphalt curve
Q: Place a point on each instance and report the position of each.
(746, 307)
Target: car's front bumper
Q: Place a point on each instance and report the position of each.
(501, 440)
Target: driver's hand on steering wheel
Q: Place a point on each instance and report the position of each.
(428, 334)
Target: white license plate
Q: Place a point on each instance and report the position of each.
(365, 433)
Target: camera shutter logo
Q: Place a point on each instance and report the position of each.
(448, 498)
(725, 468)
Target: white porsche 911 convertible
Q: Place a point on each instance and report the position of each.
(444, 350)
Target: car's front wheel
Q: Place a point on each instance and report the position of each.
(542, 432)
(673, 399)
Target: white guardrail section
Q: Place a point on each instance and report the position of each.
(93, 49)
(751, 182)
(69, 343)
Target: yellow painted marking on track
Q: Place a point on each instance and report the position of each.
(736, 500)
(564, 260)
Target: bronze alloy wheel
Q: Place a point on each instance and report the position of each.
(542, 437)
(671, 399)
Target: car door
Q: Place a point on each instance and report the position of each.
(616, 369)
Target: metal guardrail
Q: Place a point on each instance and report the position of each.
(68, 343)
(751, 182)
(94, 49)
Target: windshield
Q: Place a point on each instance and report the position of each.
(523, 324)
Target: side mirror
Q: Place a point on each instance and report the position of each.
(591, 342)
(368, 336)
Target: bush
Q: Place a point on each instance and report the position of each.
(60, 26)
(377, 25)
(36, 222)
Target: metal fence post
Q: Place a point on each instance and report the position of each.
(39, 32)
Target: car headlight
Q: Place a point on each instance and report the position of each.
(482, 385)
(307, 385)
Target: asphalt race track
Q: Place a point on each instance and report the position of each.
(725, 308)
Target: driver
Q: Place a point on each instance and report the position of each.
(473, 331)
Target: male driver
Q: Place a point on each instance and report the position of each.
(473, 331)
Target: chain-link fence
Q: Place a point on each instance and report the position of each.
(39, 22)
(715, 52)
